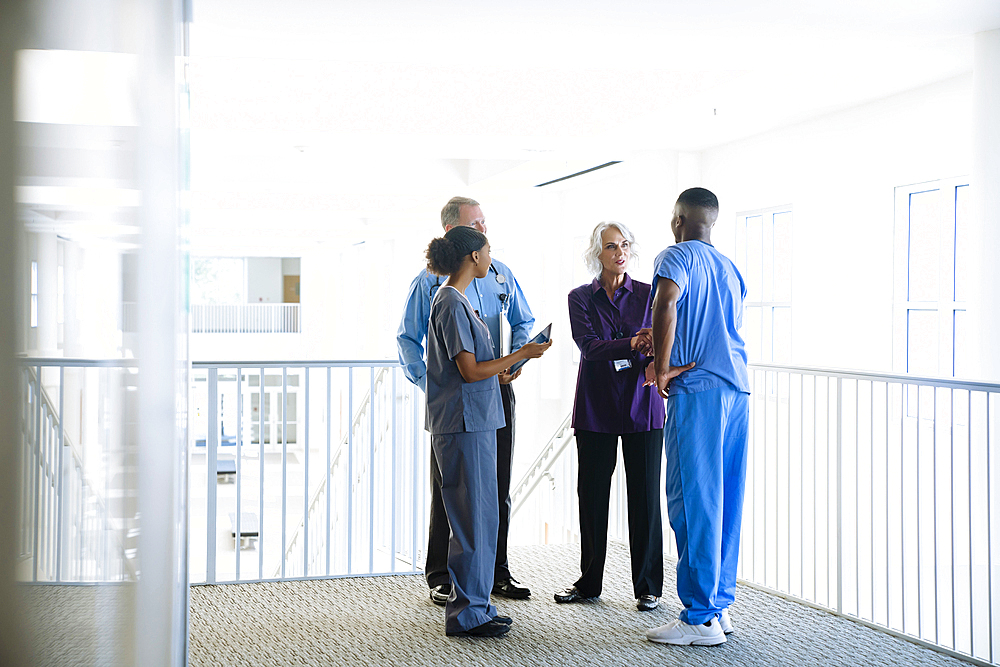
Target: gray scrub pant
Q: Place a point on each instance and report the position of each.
(468, 463)
(436, 566)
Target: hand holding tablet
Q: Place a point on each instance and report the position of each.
(543, 337)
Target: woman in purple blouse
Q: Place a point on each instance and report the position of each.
(610, 319)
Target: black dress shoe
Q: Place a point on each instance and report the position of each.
(440, 594)
(573, 594)
(511, 589)
(506, 620)
(488, 629)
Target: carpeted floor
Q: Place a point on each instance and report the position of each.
(390, 621)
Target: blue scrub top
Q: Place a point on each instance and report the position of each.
(454, 405)
(484, 295)
(709, 312)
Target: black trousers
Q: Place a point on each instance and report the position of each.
(436, 566)
(598, 454)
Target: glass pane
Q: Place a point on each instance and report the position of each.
(751, 333)
(923, 257)
(755, 257)
(963, 255)
(922, 337)
(782, 333)
(767, 259)
(961, 349)
(783, 256)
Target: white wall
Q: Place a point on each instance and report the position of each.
(839, 173)
(541, 234)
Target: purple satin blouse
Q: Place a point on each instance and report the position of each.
(610, 401)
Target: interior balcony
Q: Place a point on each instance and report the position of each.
(867, 529)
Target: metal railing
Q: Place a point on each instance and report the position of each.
(346, 494)
(868, 495)
(77, 524)
(545, 499)
(246, 318)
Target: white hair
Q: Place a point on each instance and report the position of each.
(592, 254)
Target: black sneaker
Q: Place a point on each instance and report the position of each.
(647, 603)
(440, 594)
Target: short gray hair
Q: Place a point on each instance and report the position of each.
(451, 212)
(590, 257)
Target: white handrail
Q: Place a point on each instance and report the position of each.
(358, 425)
(349, 501)
(868, 494)
(64, 540)
(552, 450)
(246, 318)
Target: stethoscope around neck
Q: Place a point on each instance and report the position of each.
(499, 277)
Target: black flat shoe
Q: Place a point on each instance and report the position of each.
(573, 594)
(440, 594)
(511, 589)
(506, 620)
(491, 628)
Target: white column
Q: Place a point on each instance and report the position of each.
(161, 600)
(985, 184)
(985, 193)
(14, 628)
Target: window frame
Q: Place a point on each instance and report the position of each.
(766, 307)
(947, 305)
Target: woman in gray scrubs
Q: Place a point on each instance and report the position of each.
(463, 414)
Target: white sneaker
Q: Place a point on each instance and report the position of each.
(725, 622)
(679, 633)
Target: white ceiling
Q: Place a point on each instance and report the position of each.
(348, 107)
(490, 79)
(319, 114)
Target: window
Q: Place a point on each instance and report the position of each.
(931, 256)
(218, 280)
(33, 316)
(764, 257)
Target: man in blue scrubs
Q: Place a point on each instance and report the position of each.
(700, 362)
(495, 296)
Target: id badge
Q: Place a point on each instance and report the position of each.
(622, 364)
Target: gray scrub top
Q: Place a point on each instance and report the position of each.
(454, 405)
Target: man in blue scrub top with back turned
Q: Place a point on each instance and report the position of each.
(494, 297)
(700, 362)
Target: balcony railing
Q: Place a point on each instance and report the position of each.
(246, 318)
(342, 493)
(76, 513)
(868, 495)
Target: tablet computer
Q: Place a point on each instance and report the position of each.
(542, 337)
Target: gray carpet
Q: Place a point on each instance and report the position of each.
(70, 626)
(390, 621)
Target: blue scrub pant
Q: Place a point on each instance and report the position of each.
(468, 463)
(705, 441)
